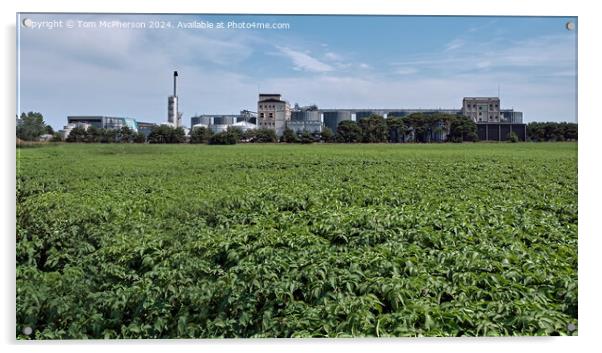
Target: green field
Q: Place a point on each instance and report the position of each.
(157, 241)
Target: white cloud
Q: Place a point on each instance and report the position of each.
(406, 71)
(304, 61)
(454, 44)
(332, 56)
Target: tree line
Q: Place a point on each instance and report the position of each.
(418, 127)
(552, 131)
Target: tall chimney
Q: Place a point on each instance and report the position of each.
(175, 74)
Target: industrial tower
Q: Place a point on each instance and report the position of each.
(173, 116)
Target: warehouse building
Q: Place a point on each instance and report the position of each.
(105, 122)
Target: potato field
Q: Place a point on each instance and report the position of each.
(276, 240)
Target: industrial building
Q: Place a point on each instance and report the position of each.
(501, 131)
(273, 112)
(482, 109)
(174, 117)
(105, 122)
(307, 118)
(220, 122)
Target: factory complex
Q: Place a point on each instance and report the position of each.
(275, 113)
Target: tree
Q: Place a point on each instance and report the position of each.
(327, 135)
(224, 138)
(552, 131)
(57, 137)
(93, 134)
(107, 135)
(374, 129)
(248, 135)
(32, 126)
(49, 130)
(236, 132)
(126, 135)
(200, 134)
(289, 136)
(429, 126)
(349, 131)
(139, 138)
(462, 129)
(306, 137)
(77, 134)
(265, 136)
(166, 134)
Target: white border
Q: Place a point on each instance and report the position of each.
(589, 170)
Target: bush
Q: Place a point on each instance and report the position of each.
(223, 138)
(512, 137)
(289, 136)
(200, 135)
(265, 136)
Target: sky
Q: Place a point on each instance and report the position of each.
(73, 64)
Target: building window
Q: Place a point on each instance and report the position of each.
(271, 115)
(261, 115)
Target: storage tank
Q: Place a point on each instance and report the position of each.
(362, 114)
(217, 128)
(204, 119)
(223, 120)
(333, 119)
(305, 115)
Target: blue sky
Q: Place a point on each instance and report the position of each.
(331, 61)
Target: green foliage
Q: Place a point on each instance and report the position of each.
(289, 136)
(56, 137)
(77, 134)
(374, 129)
(463, 129)
(168, 241)
(166, 134)
(32, 126)
(512, 137)
(327, 135)
(349, 131)
(430, 127)
(224, 138)
(552, 131)
(264, 135)
(126, 135)
(139, 138)
(306, 137)
(200, 134)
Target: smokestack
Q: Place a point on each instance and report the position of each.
(175, 74)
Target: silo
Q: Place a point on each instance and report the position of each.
(312, 115)
(305, 115)
(217, 128)
(297, 115)
(202, 119)
(223, 120)
(362, 114)
(333, 119)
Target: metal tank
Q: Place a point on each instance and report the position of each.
(223, 120)
(333, 119)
